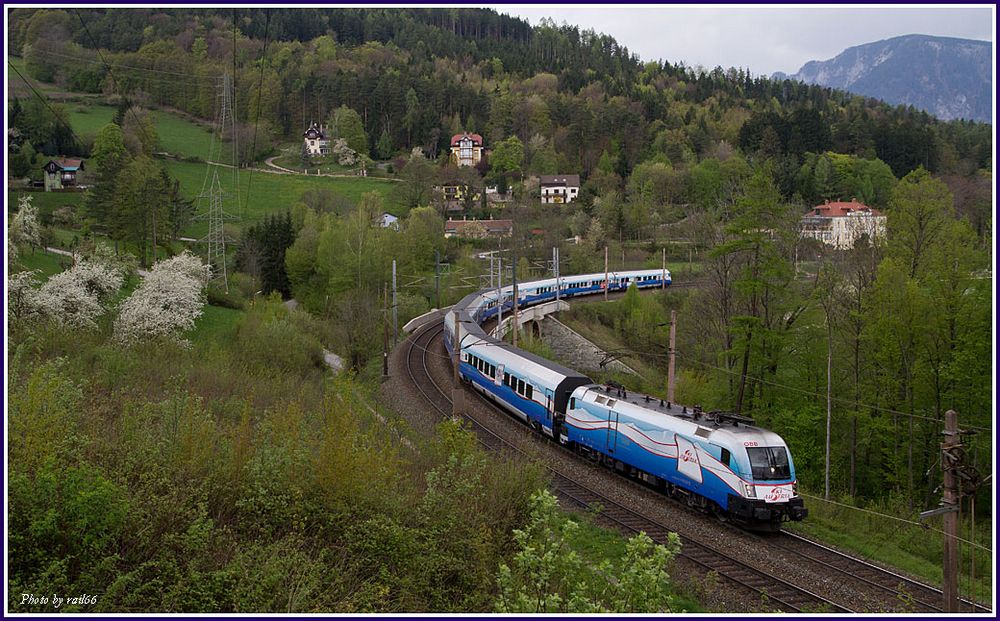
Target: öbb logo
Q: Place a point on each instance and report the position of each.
(687, 455)
(775, 494)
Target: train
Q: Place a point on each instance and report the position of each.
(717, 462)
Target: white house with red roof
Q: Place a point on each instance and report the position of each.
(466, 149)
(840, 224)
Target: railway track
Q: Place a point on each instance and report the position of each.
(917, 596)
(774, 591)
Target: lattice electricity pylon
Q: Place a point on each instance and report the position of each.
(225, 124)
(216, 238)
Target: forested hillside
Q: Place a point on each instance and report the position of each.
(421, 75)
(710, 171)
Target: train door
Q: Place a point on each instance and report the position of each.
(612, 438)
(549, 424)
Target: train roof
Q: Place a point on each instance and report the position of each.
(673, 417)
(504, 353)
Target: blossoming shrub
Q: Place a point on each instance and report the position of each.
(167, 302)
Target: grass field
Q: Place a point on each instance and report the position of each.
(45, 202)
(291, 159)
(260, 193)
(216, 324)
(46, 263)
(178, 136)
(268, 193)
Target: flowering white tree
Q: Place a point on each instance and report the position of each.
(167, 302)
(22, 294)
(77, 296)
(346, 156)
(24, 227)
(11, 249)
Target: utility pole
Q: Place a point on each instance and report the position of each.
(395, 327)
(385, 331)
(499, 294)
(437, 277)
(555, 268)
(950, 500)
(663, 277)
(514, 280)
(457, 396)
(606, 283)
(672, 352)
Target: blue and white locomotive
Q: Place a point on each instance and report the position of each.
(714, 461)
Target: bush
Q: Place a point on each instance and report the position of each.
(269, 340)
(217, 296)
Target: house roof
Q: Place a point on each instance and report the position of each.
(315, 128)
(841, 209)
(476, 139)
(566, 180)
(70, 164)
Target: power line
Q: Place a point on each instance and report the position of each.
(114, 80)
(94, 61)
(260, 88)
(816, 394)
(893, 517)
(799, 390)
(79, 142)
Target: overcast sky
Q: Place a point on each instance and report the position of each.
(760, 38)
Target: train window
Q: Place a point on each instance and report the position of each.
(611, 403)
(601, 400)
(769, 463)
(506, 379)
(726, 455)
(520, 387)
(530, 391)
(572, 403)
(493, 371)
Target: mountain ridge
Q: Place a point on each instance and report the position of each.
(948, 77)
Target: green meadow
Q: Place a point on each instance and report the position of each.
(262, 193)
(178, 136)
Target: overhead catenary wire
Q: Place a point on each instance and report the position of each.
(857, 404)
(893, 517)
(815, 394)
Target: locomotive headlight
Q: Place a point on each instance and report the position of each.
(748, 489)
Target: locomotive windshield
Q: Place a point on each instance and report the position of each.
(769, 464)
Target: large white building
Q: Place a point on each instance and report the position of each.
(559, 188)
(840, 224)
